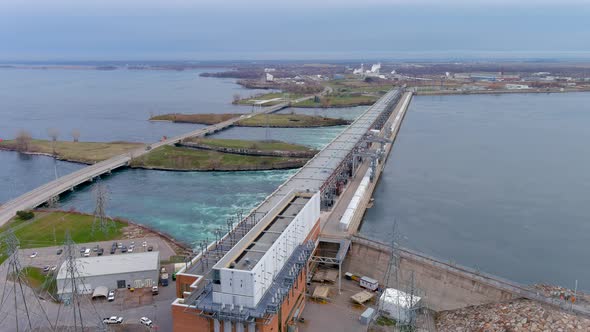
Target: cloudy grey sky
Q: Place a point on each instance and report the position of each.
(302, 29)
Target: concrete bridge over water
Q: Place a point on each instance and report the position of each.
(44, 193)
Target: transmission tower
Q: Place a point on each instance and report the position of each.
(83, 312)
(26, 306)
(101, 222)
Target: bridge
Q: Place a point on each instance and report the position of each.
(44, 193)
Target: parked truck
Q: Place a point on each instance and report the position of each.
(163, 277)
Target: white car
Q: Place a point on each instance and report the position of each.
(111, 296)
(144, 244)
(113, 320)
(33, 255)
(146, 321)
(53, 268)
(130, 249)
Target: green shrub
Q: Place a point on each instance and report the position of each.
(25, 215)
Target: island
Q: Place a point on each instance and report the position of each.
(262, 120)
(196, 154)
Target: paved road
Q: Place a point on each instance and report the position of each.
(45, 192)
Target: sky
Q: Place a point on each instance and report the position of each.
(48, 30)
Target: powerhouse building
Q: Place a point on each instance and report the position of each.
(260, 284)
(254, 277)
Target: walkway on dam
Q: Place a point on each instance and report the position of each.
(44, 193)
(330, 220)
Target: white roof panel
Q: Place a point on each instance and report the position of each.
(114, 264)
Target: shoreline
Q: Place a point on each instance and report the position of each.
(243, 169)
(30, 153)
(251, 169)
(261, 126)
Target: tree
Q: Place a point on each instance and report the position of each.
(76, 135)
(237, 98)
(23, 141)
(53, 133)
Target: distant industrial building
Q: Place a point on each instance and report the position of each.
(260, 284)
(113, 271)
(516, 86)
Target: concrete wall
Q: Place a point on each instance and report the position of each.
(441, 288)
(110, 281)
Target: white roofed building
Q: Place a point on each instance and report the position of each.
(113, 271)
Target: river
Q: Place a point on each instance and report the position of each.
(499, 183)
(115, 105)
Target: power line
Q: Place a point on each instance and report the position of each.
(21, 292)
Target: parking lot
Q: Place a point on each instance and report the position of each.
(48, 256)
(129, 305)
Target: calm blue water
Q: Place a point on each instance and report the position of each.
(20, 173)
(108, 105)
(495, 182)
(115, 105)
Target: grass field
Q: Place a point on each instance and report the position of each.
(273, 120)
(84, 152)
(178, 158)
(40, 231)
(255, 145)
(36, 279)
(206, 118)
(48, 229)
(347, 93)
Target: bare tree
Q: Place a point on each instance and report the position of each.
(53, 134)
(76, 135)
(237, 98)
(23, 140)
